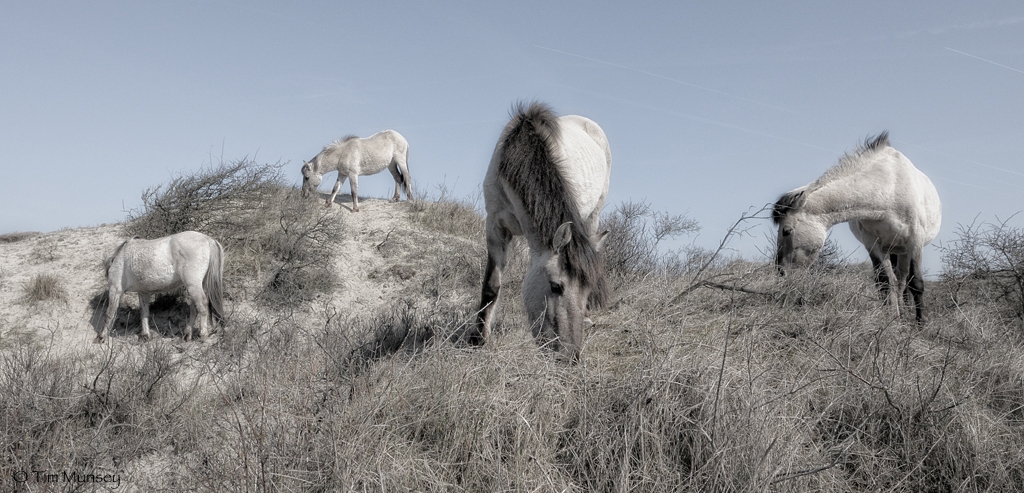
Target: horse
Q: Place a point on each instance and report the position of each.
(147, 267)
(352, 156)
(547, 181)
(891, 207)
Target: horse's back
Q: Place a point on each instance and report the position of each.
(379, 150)
(920, 197)
(166, 263)
(585, 161)
(911, 198)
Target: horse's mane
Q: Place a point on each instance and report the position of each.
(329, 148)
(850, 161)
(338, 143)
(529, 166)
(789, 201)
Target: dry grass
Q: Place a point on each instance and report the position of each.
(45, 287)
(18, 236)
(706, 374)
(270, 235)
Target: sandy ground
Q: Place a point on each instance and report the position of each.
(373, 262)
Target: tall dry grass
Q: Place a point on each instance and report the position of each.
(44, 287)
(706, 374)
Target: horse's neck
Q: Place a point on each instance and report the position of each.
(839, 202)
(330, 160)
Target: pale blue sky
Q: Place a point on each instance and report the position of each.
(711, 111)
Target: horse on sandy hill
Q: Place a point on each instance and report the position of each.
(352, 156)
(892, 208)
(147, 267)
(547, 181)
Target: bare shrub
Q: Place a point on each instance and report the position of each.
(302, 246)
(267, 229)
(18, 236)
(54, 423)
(831, 256)
(635, 231)
(217, 200)
(45, 287)
(47, 249)
(985, 264)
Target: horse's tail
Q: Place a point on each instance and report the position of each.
(107, 262)
(213, 281)
(529, 164)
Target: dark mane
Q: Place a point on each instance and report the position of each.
(848, 163)
(881, 140)
(852, 160)
(789, 201)
(529, 166)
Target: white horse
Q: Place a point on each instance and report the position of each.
(547, 181)
(147, 267)
(892, 208)
(352, 156)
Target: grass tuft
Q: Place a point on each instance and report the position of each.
(45, 287)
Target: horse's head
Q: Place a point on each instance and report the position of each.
(556, 301)
(310, 178)
(801, 235)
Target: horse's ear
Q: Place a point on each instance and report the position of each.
(800, 199)
(788, 202)
(599, 239)
(562, 237)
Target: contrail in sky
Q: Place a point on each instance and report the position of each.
(759, 103)
(695, 86)
(986, 60)
(702, 119)
(677, 81)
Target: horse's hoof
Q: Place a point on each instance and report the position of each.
(98, 340)
(355, 209)
(144, 337)
(475, 339)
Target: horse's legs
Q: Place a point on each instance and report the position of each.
(201, 312)
(144, 301)
(113, 301)
(353, 183)
(916, 285)
(894, 293)
(393, 168)
(334, 191)
(403, 166)
(881, 280)
(902, 270)
(498, 239)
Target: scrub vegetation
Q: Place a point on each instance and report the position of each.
(706, 373)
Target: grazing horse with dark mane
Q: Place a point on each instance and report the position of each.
(547, 181)
(351, 156)
(147, 267)
(892, 208)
